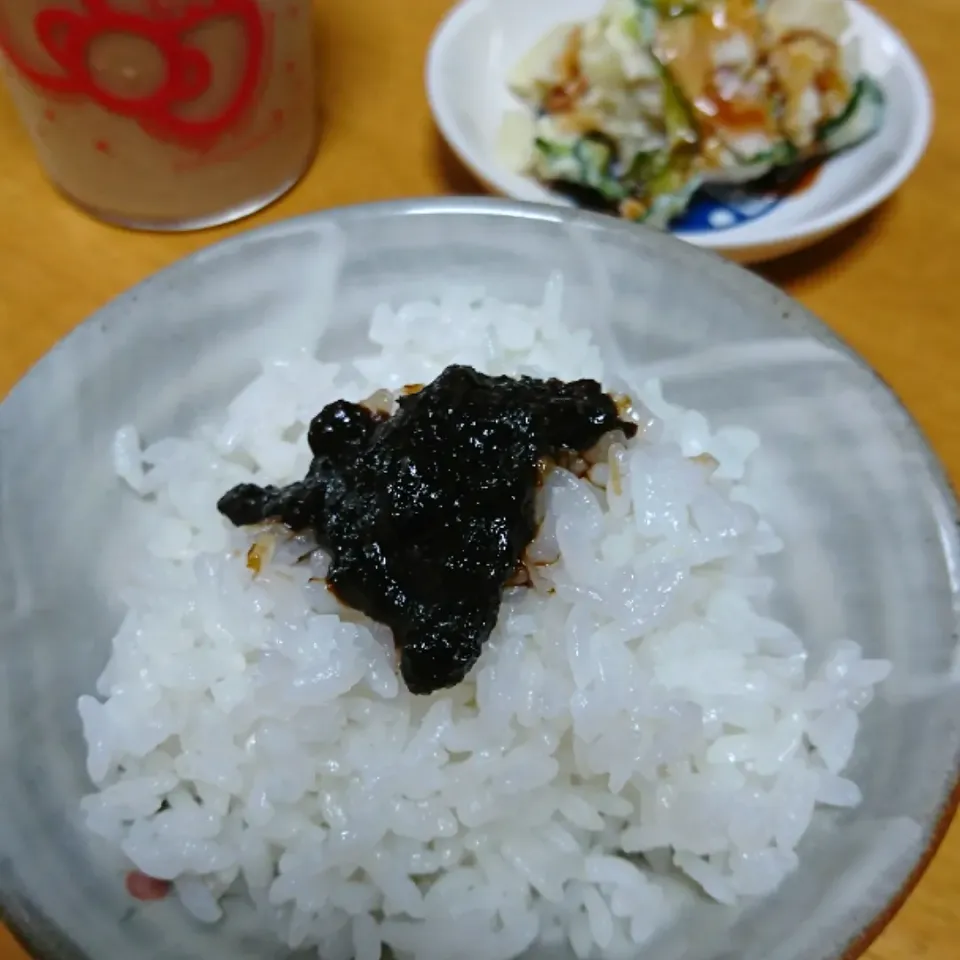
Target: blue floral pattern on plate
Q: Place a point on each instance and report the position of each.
(720, 208)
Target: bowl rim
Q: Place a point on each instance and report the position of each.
(23, 924)
(805, 231)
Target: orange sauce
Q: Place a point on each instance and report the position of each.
(834, 90)
(734, 115)
(570, 57)
(564, 98)
(800, 34)
(685, 46)
(565, 95)
(736, 15)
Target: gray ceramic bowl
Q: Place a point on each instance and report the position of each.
(867, 515)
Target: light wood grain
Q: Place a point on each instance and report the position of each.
(888, 284)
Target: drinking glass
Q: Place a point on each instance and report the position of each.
(165, 114)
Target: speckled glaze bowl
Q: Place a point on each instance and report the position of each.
(868, 518)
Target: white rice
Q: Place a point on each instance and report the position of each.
(635, 716)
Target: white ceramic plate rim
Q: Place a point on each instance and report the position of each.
(920, 97)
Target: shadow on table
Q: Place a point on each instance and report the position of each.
(453, 176)
(829, 254)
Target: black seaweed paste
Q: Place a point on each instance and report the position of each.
(427, 513)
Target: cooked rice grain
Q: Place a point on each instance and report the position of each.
(636, 713)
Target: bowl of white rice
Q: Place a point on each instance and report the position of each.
(716, 718)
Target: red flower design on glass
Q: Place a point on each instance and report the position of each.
(67, 36)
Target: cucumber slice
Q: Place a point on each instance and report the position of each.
(646, 166)
(669, 206)
(642, 26)
(553, 149)
(596, 154)
(781, 154)
(663, 181)
(663, 184)
(586, 162)
(754, 166)
(555, 160)
(861, 118)
(678, 115)
(665, 201)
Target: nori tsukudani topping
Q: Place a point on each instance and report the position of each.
(427, 513)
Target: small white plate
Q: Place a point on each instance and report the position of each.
(480, 40)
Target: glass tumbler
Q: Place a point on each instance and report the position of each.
(165, 114)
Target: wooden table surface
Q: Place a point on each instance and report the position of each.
(887, 284)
